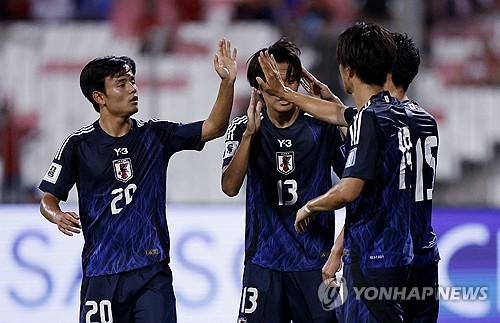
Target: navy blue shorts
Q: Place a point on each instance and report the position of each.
(425, 309)
(143, 295)
(279, 297)
(365, 301)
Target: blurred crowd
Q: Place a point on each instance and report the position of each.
(461, 39)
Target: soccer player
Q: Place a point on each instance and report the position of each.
(119, 167)
(375, 186)
(424, 139)
(286, 156)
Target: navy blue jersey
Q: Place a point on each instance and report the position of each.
(425, 141)
(377, 229)
(287, 167)
(121, 183)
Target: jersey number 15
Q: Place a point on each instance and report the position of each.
(423, 154)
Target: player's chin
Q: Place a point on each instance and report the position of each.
(284, 107)
(132, 112)
(134, 109)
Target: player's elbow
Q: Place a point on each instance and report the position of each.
(348, 197)
(229, 191)
(342, 195)
(212, 130)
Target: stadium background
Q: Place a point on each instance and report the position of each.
(45, 43)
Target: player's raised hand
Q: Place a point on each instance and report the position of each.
(316, 88)
(273, 84)
(225, 61)
(253, 114)
(68, 223)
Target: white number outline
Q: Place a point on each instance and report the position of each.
(292, 189)
(120, 193)
(103, 308)
(422, 154)
(251, 298)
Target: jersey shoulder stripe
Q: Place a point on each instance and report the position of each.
(354, 129)
(79, 132)
(232, 127)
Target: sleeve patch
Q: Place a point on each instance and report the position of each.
(351, 159)
(53, 173)
(230, 150)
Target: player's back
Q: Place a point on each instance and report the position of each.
(425, 141)
(378, 221)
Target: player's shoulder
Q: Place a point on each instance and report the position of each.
(81, 133)
(308, 118)
(418, 112)
(153, 122)
(237, 124)
(73, 139)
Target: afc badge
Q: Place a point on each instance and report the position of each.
(123, 169)
(285, 162)
(230, 150)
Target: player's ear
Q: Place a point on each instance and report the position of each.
(350, 71)
(98, 97)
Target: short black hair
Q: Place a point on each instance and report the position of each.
(369, 49)
(284, 51)
(93, 75)
(407, 61)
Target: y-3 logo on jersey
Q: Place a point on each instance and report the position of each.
(121, 151)
(285, 143)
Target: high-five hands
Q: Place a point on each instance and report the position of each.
(225, 61)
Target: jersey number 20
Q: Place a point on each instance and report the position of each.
(122, 193)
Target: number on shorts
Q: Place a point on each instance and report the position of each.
(253, 294)
(104, 310)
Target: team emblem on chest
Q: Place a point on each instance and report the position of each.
(285, 162)
(123, 169)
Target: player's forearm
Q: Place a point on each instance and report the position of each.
(343, 193)
(331, 112)
(234, 174)
(338, 246)
(217, 122)
(49, 207)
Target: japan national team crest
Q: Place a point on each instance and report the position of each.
(123, 169)
(285, 162)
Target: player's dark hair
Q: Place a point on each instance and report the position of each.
(368, 49)
(94, 73)
(283, 51)
(407, 61)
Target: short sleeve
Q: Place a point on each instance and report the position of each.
(182, 136)
(363, 146)
(61, 175)
(233, 138)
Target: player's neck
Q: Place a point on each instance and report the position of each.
(363, 92)
(396, 92)
(115, 127)
(283, 119)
